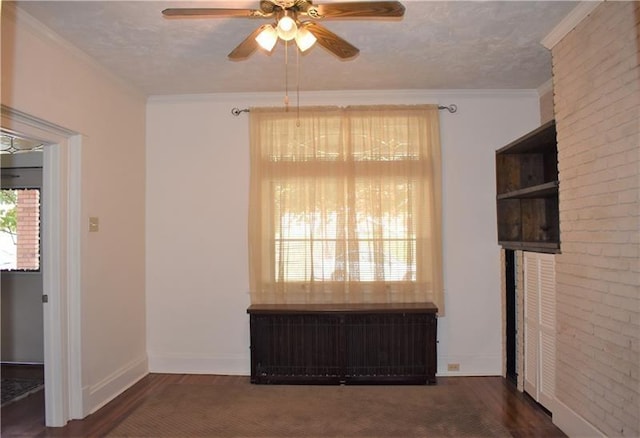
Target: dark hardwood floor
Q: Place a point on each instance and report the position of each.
(25, 418)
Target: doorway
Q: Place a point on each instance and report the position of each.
(22, 352)
(60, 246)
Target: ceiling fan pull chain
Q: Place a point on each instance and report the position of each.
(286, 74)
(297, 88)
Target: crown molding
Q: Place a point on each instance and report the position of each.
(23, 18)
(546, 87)
(568, 23)
(419, 95)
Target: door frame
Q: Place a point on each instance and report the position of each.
(61, 262)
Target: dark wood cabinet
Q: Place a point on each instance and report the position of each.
(346, 343)
(527, 192)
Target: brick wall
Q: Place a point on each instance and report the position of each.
(28, 229)
(597, 110)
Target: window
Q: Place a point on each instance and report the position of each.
(20, 229)
(345, 205)
(20, 199)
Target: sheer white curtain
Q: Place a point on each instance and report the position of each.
(345, 205)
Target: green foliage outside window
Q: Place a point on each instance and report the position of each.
(8, 212)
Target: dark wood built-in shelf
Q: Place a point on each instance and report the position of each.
(549, 247)
(544, 190)
(343, 343)
(540, 139)
(527, 192)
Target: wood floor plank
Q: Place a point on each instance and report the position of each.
(495, 396)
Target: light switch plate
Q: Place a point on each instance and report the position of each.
(93, 224)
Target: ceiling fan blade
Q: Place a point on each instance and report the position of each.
(331, 41)
(356, 9)
(246, 47)
(211, 13)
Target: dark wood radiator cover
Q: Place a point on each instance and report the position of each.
(350, 343)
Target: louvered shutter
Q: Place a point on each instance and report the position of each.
(540, 327)
(531, 327)
(547, 362)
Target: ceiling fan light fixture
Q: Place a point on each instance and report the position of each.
(287, 28)
(267, 38)
(305, 39)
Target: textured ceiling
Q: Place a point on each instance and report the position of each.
(436, 45)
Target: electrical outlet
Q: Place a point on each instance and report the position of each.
(453, 367)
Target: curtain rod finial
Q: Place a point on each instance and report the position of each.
(236, 111)
(451, 108)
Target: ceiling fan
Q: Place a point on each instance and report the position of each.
(289, 26)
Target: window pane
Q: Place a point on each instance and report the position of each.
(20, 229)
(376, 242)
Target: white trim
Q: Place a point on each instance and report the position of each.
(54, 312)
(15, 121)
(275, 98)
(183, 364)
(545, 88)
(74, 275)
(488, 365)
(22, 17)
(113, 385)
(461, 374)
(568, 23)
(572, 423)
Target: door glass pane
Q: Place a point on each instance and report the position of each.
(20, 229)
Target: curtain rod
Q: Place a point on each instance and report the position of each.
(451, 108)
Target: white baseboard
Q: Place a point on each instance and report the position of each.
(470, 366)
(573, 424)
(466, 374)
(174, 364)
(98, 395)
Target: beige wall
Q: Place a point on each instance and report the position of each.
(44, 78)
(597, 103)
